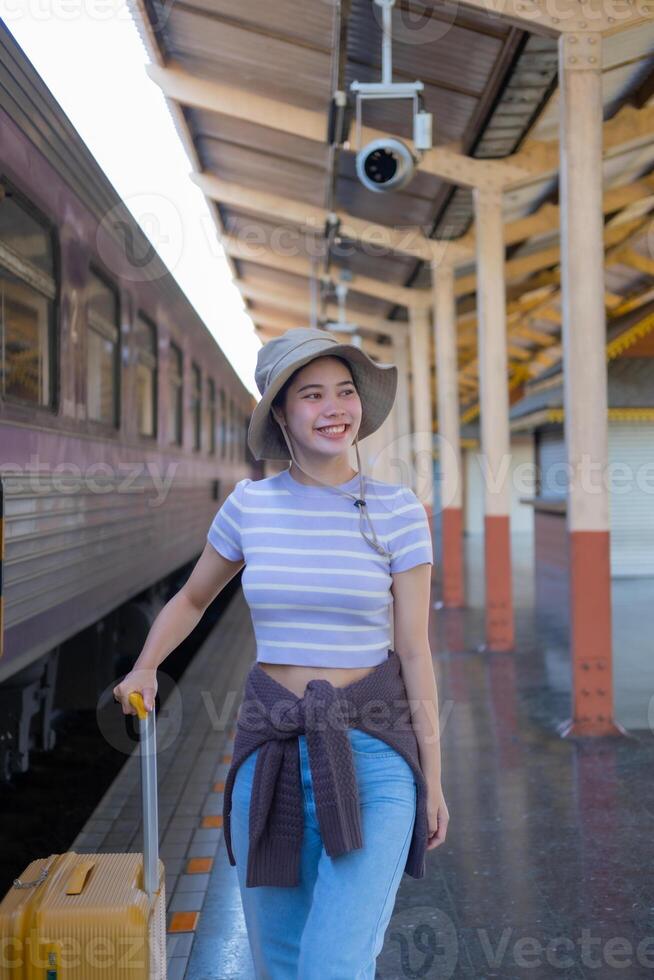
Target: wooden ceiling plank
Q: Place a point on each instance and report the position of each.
(301, 266)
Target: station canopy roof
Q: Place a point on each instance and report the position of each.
(250, 86)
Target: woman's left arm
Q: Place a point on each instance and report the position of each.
(411, 603)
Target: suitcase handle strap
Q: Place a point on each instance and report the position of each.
(79, 876)
(148, 750)
(37, 881)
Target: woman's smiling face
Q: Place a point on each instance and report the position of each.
(321, 396)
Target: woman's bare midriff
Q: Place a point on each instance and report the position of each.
(296, 678)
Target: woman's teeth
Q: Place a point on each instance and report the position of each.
(333, 430)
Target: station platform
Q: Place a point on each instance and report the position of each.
(545, 872)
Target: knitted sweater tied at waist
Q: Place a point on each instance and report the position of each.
(270, 718)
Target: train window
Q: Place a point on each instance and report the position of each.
(27, 294)
(196, 406)
(146, 375)
(175, 394)
(223, 424)
(211, 416)
(102, 351)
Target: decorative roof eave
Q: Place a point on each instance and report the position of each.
(626, 339)
(556, 416)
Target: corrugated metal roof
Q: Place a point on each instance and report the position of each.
(490, 85)
(630, 385)
(285, 52)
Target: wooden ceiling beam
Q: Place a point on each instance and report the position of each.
(552, 354)
(628, 129)
(569, 16)
(300, 303)
(407, 241)
(268, 325)
(445, 162)
(642, 263)
(383, 238)
(301, 266)
(521, 266)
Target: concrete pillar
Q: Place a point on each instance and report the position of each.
(375, 450)
(368, 452)
(402, 406)
(372, 447)
(386, 437)
(585, 382)
(396, 432)
(494, 420)
(449, 441)
(422, 424)
(385, 448)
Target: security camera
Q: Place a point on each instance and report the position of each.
(386, 164)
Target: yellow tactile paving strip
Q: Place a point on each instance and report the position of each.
(183, 922)
(199, 866)
(212, 821)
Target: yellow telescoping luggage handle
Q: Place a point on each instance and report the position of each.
(148, 748)
(79, 875)
(135, 698)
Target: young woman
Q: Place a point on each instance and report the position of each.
(321, 819)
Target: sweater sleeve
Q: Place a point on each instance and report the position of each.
(225, 531)
(409, 540)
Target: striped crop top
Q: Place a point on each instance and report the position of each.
(319, 595)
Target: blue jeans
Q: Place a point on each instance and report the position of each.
(331, 925)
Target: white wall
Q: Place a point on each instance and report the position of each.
(521, 477)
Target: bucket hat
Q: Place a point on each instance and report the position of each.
(278, 359)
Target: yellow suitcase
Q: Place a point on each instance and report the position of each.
(89, 916)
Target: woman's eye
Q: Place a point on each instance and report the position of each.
(348, 391)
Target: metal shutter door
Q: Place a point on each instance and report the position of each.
(552, 461)
(631, 499)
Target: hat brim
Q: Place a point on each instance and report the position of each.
(375, 383)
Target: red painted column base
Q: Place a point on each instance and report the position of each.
(579, 729)
(453, 585)
(499, 597)
(590, 636)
